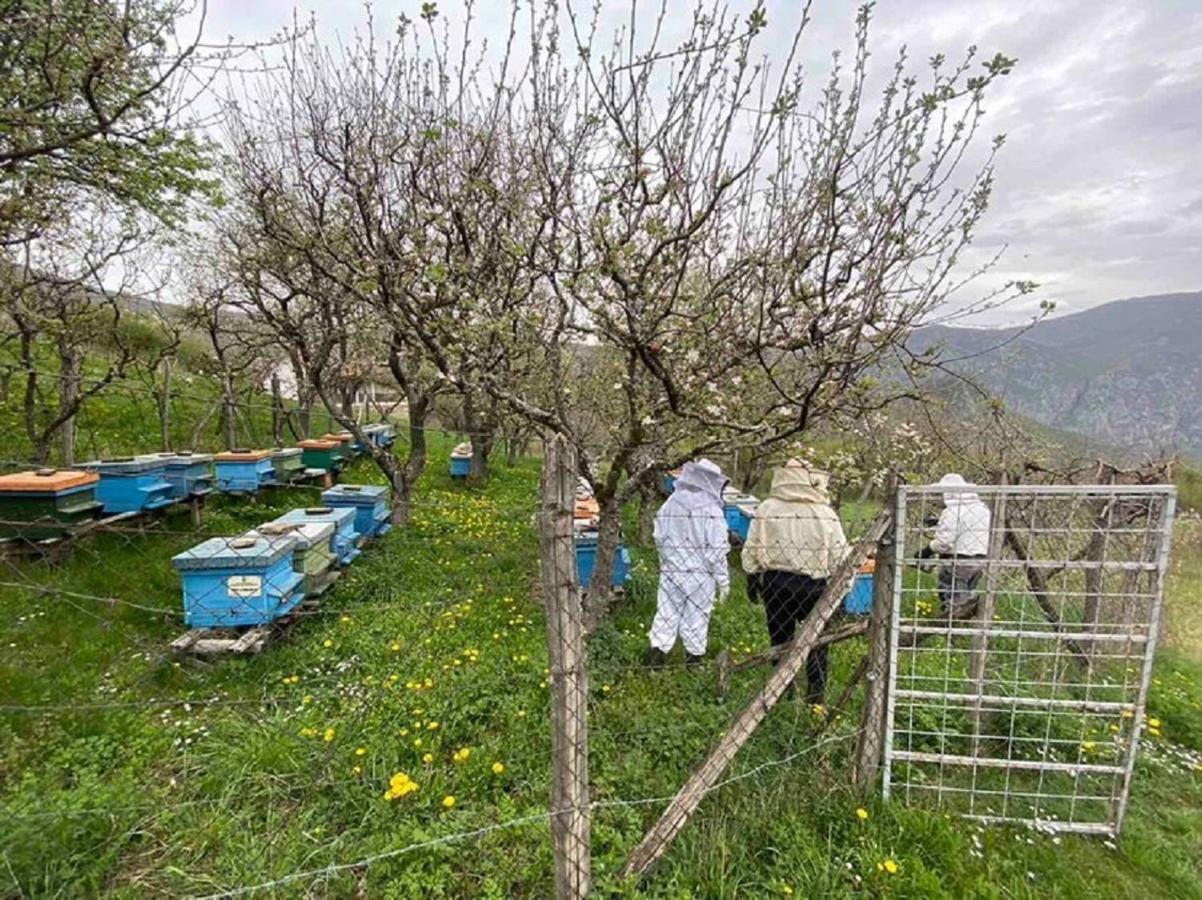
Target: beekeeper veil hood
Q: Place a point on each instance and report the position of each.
(957, 490)
(702, 477)
(797, 482)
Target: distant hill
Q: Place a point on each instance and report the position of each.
(1127, 373)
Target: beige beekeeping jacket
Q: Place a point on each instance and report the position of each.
(795, 529)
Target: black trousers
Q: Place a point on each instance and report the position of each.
(788, 599)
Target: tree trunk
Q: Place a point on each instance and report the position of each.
(649, 502)
(70, 374)
(164, 405)
(304, 416)
(600, 589)
(228, 425)
(277, 411)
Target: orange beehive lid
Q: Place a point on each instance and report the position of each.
(46, 480)
(586, 509)
(868, 567)
(318, 444)
(242, 455)
(344, 438)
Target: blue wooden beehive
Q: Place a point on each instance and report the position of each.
(739, 510)
(189, 474)
(244, 471)
(131, 484)
(858, 601)
(586, 560)
(386, 435)
(461, 460)
(238, 581)
(370, 502)
(346, 537)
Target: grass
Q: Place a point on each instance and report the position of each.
(142, 775)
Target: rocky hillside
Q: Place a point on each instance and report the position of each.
(1128, 373)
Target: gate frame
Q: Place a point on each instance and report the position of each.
(1169, 494)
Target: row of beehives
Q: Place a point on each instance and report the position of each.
(46, 503)
(262, 575)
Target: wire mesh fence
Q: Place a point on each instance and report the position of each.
(1024, 629)
(443, 711)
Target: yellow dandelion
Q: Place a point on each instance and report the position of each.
(417, 742)
(427, 757)
(890, 866)
(360, 751)
(1154, 723)
(356, 770)
(308, 698)
(395, 647)
(329, 735)
(498, 768)
(327, 643)
(861, 814)
(448, 801)
(432, 726)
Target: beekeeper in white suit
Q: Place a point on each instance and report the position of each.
(693, 540)
(961, 541)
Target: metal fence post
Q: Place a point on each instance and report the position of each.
(570, 810)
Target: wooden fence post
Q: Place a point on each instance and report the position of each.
(871, 743)
(570, 809)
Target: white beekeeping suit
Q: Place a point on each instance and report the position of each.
(692, 539)
(963, 528)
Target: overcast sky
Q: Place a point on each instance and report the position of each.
(1099, 186)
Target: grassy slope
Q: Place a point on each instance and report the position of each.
(148, 798)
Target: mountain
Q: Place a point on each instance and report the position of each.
(1127, 373)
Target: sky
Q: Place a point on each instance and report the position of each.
(1098, 192)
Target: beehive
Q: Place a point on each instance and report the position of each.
(670, 480)
(345, 441)
(370, 502)
(42, 504)
(858, 601)
(346, 538)
(131, 484)
(379, 433)
(229, 582)
(586, 560)
(189, 474)
(287, 464)
(739, 510)
(244, 471)
(313, 556)
(322, 454)
(461, 461)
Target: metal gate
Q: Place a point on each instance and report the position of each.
(1018, 677)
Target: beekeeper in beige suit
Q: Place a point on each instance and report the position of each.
(795, 541)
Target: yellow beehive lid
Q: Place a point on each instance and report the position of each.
(318, 444)
(344, 438)
(242, 455)
(46, 480)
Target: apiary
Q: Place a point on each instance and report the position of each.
(131, 483)
(229, 582)
(346, 537)
(370, 502)
(42, 504)
(244, 471)
(313, 556)
(287, 464)
(319, 453)
(189, 474)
